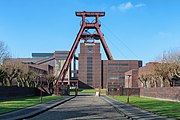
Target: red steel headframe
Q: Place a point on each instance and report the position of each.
(84, 25)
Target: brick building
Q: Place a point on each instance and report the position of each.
(94, 72)
(90, 65)
(131, 79)
(114, 70)
(45, 63)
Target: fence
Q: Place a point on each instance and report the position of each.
(7, 92)
(171, 93)
(117, 90)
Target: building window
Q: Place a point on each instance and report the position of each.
(89, 70)
(61, 57)
(140, 63)
(121, 77)
(90, 49)
(117, 64)
(113, 77)
(116, 71)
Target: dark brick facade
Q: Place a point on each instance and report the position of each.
(90, 64)
(132, 81)
(114, 70)
(98, 73)
(117, 90)
(171, 93)
(7, 92)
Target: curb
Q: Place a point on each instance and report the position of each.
(7, 116)
(134, 116)
(116, 108)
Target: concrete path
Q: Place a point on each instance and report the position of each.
(82, 107)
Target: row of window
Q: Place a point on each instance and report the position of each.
(117, 64)
(89, 70)
(115, 77)
(61, 57)
(114, 83)
(116, 71)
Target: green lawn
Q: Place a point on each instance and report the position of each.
(18, 103)
(160, 107)
(88, 91)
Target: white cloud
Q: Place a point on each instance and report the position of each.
(127, 6)
(139, 5)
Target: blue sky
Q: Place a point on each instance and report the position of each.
(133, 29)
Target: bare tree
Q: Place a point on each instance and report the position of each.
(50, 79)
(26, 76)
(143, 79)
(173, 60)
(35, 78)
(4, 53)
(11, 72)
(168, 69)
(3, 75)
(147, 76)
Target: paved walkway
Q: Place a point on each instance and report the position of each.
(133, 112)
(82, 108)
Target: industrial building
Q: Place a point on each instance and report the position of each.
(90, 65)
(95, 72)
(92, 72)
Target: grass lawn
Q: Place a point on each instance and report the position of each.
(18, 103)
(88, 91)
(160, 107)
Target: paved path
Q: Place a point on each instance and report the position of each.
(82, 107)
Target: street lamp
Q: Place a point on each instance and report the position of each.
(128, 88)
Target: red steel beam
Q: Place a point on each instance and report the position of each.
(70, 55)
(80, 36)
(90, 14)
(105, 46)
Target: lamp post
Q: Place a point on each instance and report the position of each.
(128, 88)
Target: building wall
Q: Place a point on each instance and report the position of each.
(58, 67)
(60, 57)
(171, 93)
(132, 81)
(114, 70)
(90, 64)
(42, 55)
(7, 92)
(41, 62)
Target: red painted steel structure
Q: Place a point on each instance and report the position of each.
(80, 36)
